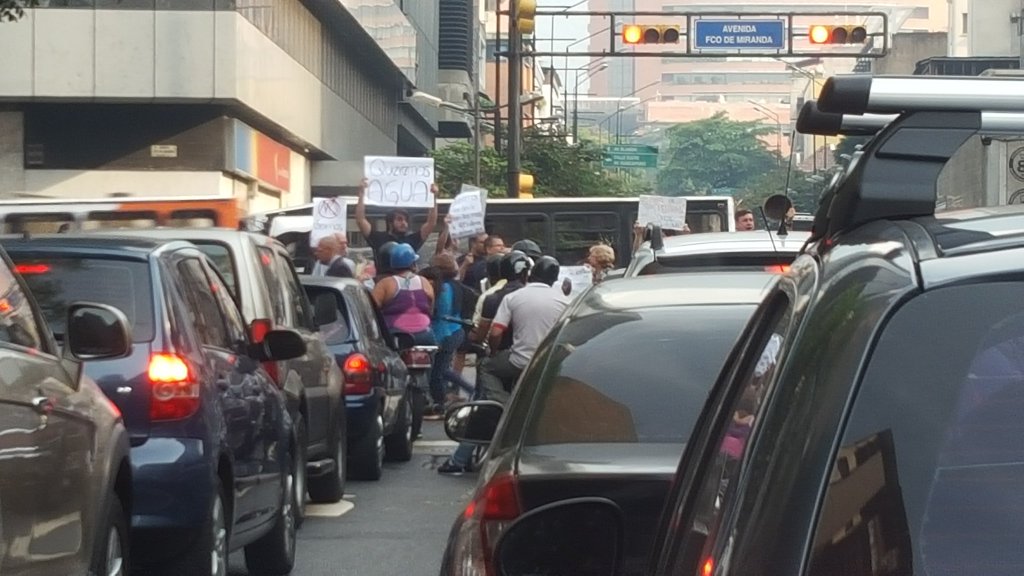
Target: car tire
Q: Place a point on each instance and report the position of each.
(398, 444)
(366, 459)
(330, 488)
(273, 554)
(301, 479)
(111, 555)
(418, 396)
(209, 555)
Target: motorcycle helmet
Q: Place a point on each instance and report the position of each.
(403, 257)
(514, 265)
(528, 247)
(545, 270)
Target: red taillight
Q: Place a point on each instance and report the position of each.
(708, 568)
(174, 393)
(358, 374)
(32, 268)
(777, 268)
(500, 500)
(258, 330)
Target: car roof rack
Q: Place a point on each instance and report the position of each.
(812, 120)
(864, 93)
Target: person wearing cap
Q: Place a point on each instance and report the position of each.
(397, 221)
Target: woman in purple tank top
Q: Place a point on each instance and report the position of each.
(404, 298)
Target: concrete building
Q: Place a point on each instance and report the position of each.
(984, 28)
(268, 101)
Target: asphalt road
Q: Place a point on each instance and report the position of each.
(397, 526)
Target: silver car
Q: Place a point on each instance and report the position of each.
(754, 250)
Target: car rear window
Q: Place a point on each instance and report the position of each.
(633, 375)
(58, 281)
(769, 261)
(221, 257)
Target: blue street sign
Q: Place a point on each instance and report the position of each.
(739, 34)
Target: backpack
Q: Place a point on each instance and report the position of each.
(464, 300)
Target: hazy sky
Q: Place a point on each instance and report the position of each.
(564, 30)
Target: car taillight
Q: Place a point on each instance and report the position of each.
(174, 393)
(24, 269)
(258, 330)
(708, 568)
(484, 520)
(358, 374)
(777, 268)
(414, 358)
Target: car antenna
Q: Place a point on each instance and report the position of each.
(767, 228)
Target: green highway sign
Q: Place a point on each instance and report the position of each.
(630, 156)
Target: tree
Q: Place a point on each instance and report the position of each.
(13, 10)
(803, 193)
(848, 145)
(454, 167)
(714, 153)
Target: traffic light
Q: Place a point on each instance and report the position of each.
(525, 185)
(526, 10)
(644, 34)
(845, 34)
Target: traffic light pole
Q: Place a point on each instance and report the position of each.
(515, 114)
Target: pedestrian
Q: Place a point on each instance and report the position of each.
(397, 222)
(744, 220)
(330, 254)
(474, 267)
(447, 332)
(600, 259)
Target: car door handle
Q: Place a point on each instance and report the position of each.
(43, 404)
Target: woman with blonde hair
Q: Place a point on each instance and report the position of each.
(600, 259)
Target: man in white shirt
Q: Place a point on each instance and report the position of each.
(330, 258)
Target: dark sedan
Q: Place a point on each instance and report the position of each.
(605, 408)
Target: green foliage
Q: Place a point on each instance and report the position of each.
(848, 145)
(13, 10)
(559, 168)
(804, 194)
(714, 153)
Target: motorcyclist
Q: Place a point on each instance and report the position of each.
(405, 298)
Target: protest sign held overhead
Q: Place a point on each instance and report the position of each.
(399, 182)
(581, 277)
(330, 216)
(669, 212)
(467, 213)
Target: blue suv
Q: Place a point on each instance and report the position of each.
(213, 451)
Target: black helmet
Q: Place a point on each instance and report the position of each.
(545, 270)
(384, 257)
(494, 267)
(514, 265)
(528, 247)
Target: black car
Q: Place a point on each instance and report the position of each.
(869, 419)
(65, 478)
(213, 453)
(377, 397)
(605, 407)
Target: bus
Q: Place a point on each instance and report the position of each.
(563, 227)
(49, 216)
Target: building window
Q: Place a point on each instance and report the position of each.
(963, 23)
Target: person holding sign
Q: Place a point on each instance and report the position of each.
(397, 221)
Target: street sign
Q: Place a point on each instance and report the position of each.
(630, 156)
(739, 34)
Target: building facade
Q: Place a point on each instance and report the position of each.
(269, 101)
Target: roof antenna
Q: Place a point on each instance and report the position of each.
(768, 228)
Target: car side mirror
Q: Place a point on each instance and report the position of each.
(280, 345)
(96, 332)
(581, 536)
(473, 422)
(325, 309)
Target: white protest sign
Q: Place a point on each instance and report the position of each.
(581, 278)
(399, 182)
(467, 213)
(330, 216)
(669, 212)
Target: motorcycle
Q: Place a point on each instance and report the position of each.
(419, 360)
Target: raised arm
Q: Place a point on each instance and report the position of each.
(442, 238)
(428, 227)
(361, 221)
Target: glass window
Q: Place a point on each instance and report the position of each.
(371, 319)
(38, 223)
(17, 322)
(591, 393)
(277, 296)
(770, 261)
(929, 474)
(292, 292)
(140, 219)
(229, 309)
(722, 471)
(203, 309)
(575, 233)
(58, 281)
(339, 331)
(222, 258)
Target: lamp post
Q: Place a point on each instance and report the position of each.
(586, 66)
(620, 109)
(576, 100)
(778, 122)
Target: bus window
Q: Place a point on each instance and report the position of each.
(194, 219)
(513, 227)
(576, 232)
(100, 220)
(705, 222)
(40, 223)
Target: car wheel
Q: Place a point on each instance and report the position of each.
(209, 555)
(300, 480)
(330, 488)
(366, 461)
(274, 553)
(111, 556)
(398, 444)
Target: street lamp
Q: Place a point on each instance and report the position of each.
(778, 122)
(576, 100)
(620, 109)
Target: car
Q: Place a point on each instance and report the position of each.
(710, 251)
(880, 382)
(65, 477)
(378, 399)
(213, 452)
(604, 408)
(260, 274)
